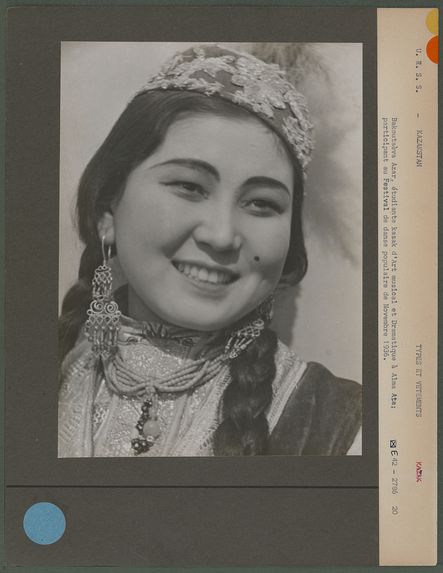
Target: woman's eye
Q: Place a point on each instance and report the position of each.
(264, 207)
(188, 188)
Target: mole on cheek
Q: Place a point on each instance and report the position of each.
(256, 259)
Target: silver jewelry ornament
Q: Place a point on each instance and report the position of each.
(103, 321)
(240, 339)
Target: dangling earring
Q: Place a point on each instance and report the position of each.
(266, 309)
(103, 321)
(240, 339)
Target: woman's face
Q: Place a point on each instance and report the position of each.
(203, 227)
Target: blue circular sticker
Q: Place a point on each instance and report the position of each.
(44, 523)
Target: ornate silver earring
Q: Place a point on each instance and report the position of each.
(240, 339)
(103, 321)
(266, 309)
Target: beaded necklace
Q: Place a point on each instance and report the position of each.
(129, 383)
(125, 381)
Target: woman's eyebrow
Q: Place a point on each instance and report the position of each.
(200, 165)
(263, 181)
(193, 164)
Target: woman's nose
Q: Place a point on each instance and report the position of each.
(218, 230)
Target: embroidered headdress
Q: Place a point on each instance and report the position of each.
(246, 81)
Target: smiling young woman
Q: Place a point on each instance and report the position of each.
(192, 218)
(198, 192)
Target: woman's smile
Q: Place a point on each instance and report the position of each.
(194, 217)
(200, 273)
(203, 285)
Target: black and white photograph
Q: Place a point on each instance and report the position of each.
(210, 249)
(221, 281)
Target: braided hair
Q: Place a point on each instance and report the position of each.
(138, 132)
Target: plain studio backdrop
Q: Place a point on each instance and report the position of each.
(322, 318)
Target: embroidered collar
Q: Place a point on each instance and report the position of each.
(133, 330)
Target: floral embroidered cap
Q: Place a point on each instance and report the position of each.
(247, 81)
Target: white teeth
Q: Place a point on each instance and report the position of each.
(203, 275)
(213, 276)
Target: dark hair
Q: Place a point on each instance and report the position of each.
(138, 132)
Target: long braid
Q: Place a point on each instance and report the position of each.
(244, 429)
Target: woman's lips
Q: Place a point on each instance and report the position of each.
(204, 274)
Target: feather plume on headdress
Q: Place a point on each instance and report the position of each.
(333, 189)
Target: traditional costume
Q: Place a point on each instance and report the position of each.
(131, 388)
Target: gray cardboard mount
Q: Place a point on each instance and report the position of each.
(163, 511)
